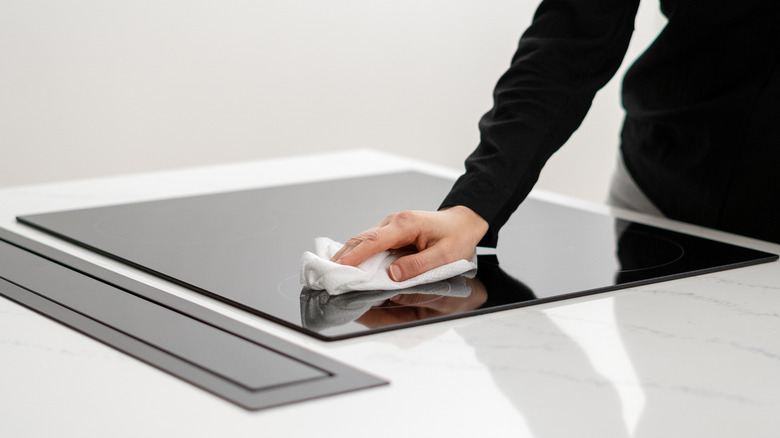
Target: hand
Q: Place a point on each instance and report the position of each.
(441, 237)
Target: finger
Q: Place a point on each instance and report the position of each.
(344, 249)
(363, 249)
(355, 241)
(412, 265)
(373, 242)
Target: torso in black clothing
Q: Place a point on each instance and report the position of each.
(701, 105)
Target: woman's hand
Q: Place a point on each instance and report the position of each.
(441, 237)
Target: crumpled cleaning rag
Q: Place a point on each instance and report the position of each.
(319, 273)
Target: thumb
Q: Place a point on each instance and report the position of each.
(412, 265)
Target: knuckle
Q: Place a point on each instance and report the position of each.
(366, 236)
(371, 236)
(404, 216)
(353, 242)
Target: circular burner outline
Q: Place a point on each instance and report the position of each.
(659, 239)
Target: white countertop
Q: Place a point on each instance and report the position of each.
(692, 357)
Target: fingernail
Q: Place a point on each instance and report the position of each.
(395, 273)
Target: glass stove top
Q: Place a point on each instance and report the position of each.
(244, 248)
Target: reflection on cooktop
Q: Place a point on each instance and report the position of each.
(643, 254)
(321, 311)
(244, 248)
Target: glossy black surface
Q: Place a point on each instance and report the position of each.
(244, 248)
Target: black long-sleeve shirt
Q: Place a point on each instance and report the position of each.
(702, 105)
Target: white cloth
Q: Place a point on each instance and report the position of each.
(319, 273)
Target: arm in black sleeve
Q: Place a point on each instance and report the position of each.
(570, 51)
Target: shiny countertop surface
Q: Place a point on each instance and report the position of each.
(690, 357)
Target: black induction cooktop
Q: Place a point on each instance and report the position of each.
(244, 248)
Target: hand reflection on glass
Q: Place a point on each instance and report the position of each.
(492, 287)
(407, 307)
(320, 310)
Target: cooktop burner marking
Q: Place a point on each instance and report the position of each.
(657, 251)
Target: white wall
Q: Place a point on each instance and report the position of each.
(100, 87)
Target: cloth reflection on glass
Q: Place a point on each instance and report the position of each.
(642, 254)
(491, 287)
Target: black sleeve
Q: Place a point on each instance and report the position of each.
(570, 51)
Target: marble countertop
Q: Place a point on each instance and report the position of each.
(693, 357)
